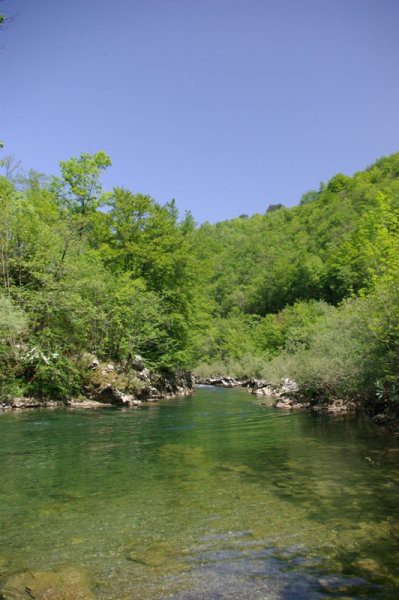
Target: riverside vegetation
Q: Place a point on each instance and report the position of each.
(309, 292)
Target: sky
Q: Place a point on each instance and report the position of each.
(226, 106)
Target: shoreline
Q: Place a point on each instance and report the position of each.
(289, 397)
(286, 397)
(107, 384)
(29, 403)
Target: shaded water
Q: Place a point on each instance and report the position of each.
(211, 497)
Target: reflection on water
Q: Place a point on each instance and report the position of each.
(209, 497)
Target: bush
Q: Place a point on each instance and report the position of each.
(341, 358)
(51, 375)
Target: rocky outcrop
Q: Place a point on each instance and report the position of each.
(288, 387)
(127, 384)
(132, 383)
(289, 396)
(286, 396)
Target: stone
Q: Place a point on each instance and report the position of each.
(157, 554)
(23, 402)
(111, 395)
(149, 392)
(144, 375)
(137, 362)
(4, 566)
(284, 403)
(26, 402)
(67, 583)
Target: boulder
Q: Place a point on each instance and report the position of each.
(112, 395)
(149, 392)
(137, 362)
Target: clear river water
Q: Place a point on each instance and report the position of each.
(209, 497)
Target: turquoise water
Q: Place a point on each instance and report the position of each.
(210, 497)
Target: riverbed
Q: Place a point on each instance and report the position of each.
(208, 497)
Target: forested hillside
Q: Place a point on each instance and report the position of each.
(309, 292)
(87, 271)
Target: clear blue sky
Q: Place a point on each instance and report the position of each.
(225, 105)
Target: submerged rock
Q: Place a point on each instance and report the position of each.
(67, 583)
(157, 554)
(4, 566)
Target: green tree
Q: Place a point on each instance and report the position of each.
(79, 189)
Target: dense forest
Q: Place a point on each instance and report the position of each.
(309, 292)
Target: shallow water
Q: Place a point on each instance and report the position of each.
(205, 498)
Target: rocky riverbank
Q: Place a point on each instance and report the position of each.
(286, 396)
(111, 384)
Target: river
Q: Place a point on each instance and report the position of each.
(209, 497)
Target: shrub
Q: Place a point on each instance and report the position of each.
(51, 375)
(341, 357)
